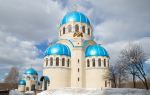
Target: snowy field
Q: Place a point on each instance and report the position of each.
(112, 91)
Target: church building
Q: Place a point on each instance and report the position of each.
(75, 60)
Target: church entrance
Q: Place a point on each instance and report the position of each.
(44, 82)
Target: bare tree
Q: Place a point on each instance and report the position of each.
(134, 59)
(12, 76)
(113, 75)
(121, 74)
(117, 74)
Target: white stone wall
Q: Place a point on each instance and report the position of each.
(21, 88)
(96, 75)
(59, 75)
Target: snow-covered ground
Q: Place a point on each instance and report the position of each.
(112, 91)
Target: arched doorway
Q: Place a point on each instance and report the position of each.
(45, 82)
(33, 87)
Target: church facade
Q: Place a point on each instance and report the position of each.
(76, 60)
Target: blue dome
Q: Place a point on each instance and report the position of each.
(22, 82)
(31, 71)
(58, 49)
(75, 16)
(96, 50)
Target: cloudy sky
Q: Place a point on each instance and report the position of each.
(26, 26)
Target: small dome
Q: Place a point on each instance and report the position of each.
(31, 71)
(76, 17)
(58, 49)
(22, 82)
(96, 50)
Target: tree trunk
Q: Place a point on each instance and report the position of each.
(146, 84)
(134, 82)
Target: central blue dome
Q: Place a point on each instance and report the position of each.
(96, 50)
(76, 17)
(31, 71)
(58, 49)
(22, 82)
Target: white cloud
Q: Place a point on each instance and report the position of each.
(17, 53)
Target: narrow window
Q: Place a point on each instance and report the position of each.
(46, 61)
(99, 62)
(78, 60)
(57, 61)
(63, 61)
(108, 63)
(60, 33)
(88, 63)
(68, 62)
(83, 29)
(104, 62)
(77, 28)
(51, 61)
(64, 30)
(78, 69)
(69, 28)
(78, 79)
(105, 83)
(88, 31)
(93, 61)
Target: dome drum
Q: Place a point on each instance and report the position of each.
(60, 61)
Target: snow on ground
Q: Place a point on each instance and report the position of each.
(111, 91)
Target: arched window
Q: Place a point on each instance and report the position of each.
(105, 83)
(68, 61)
(104, 62)
(69, 28)
(77, 28)
(93, 62)
(51, 61)
(88, 63)
(57, 61)
(46, 61)
(88, 31)
(78, 69)
(64, 30)
(99, 62)
(83, 29)
(63, 61)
